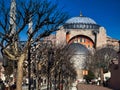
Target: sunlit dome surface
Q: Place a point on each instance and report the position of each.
(78, 49)
(81, 22)
(79, 53)
(81, 19)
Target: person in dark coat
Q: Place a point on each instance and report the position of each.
(2, 86)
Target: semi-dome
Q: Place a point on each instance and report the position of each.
(78, 49)
(81, 22)
(78, 52)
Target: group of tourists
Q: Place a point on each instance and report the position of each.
(6, 86)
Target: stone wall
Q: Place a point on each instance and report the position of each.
(115, 76)
(101, 35)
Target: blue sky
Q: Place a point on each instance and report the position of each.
(105, 12)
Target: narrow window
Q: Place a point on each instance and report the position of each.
(84, 40)
(80, 39)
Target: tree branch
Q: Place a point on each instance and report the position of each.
(9, 55)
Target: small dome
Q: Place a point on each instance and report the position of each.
(78, 49)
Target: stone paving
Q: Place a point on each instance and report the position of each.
(80, 87)
(91, 87)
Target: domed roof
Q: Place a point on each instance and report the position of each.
(81, 22)
(78, 49)
(80, 19)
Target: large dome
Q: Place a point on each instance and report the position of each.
(81, 22)
(81, 19)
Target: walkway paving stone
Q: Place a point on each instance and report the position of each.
(91, 87)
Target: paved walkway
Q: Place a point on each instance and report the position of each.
(91, 87)
(80, 87)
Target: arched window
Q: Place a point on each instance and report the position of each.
(80, 39)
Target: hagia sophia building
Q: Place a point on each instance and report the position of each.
(83, 34)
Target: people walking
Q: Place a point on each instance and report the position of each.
(2, 86)
(74, 86)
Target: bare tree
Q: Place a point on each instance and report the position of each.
(52, 63)
(45, 18)
(40, 56)
(99, 61)
(102, 59)
(62, 69)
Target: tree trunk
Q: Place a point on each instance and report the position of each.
(20, 72)
(102, 75)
